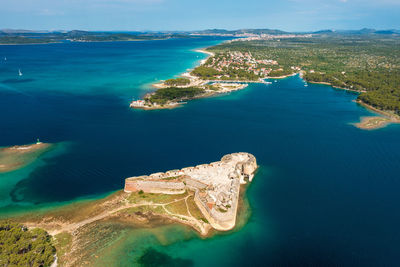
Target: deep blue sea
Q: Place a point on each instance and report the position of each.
(326, 194)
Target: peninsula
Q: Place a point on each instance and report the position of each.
(16, 157)
(219, 73)
(204, 197)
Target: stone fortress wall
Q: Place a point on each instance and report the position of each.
(216, 186)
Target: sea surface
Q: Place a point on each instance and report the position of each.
(326, 193)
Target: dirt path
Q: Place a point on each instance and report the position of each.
(73, 226)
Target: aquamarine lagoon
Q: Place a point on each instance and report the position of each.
(326, 192)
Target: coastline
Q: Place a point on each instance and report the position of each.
(382, 112)
(375, 122)
(168, 106)
(367, 122)
(204, 51)
(35, 43)
(283, 76)
(60, 42)
(337, 87)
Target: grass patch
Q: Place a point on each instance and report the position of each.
(194, 210)
(63, 243)
(145, 209)
(178, 207)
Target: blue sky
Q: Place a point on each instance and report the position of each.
(290, 15)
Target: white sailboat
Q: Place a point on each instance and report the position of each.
(19, 72)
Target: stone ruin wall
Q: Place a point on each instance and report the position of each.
(215, 220)
(246, 166)
(157, 187)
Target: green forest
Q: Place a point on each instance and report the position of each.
(368, 63)
(22, 247)
(165, 95)
(177, 82)
(205, 72)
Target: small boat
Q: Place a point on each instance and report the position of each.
(5, 59)
(19, 72)
(305, 85)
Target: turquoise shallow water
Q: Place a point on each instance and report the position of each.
(326, 192)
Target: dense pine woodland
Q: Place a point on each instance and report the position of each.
(22, 247)
(164, 95)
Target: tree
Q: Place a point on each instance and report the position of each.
(22, 247)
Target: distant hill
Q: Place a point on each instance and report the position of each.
(323, 32)
(240, 31)
(263, 31)
(15, 36)
(275, 31)
(215, 31)
(362, 31)
(387, 32)
(77, 33)
(11, 31)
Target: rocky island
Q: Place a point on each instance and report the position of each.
(15, 157)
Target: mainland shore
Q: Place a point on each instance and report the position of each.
(283, 76)
(368, 122)
(337, 87)
(210, 87)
